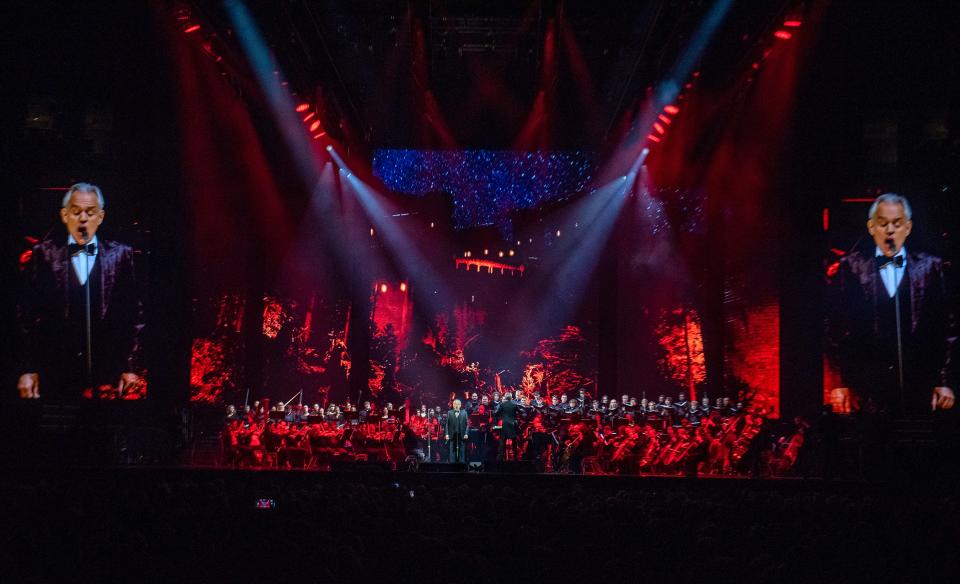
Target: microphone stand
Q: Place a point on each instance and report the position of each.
(86, 290)
(896, 301)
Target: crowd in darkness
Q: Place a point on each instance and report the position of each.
(156, 526)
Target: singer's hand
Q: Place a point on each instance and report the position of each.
(29, 385)
(942, 399)
(127, 381)
(465, 437)
(446, 437)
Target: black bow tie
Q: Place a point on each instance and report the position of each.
(884, 261)
(75, 248)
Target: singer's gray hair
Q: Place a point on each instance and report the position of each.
(83, 187)
(890, 198)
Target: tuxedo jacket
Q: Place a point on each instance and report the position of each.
(860, 329)
(51, 316)
(456, 425)
(507, 413)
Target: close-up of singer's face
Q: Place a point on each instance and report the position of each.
(889, 223)
(83, 211)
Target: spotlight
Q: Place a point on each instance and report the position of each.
(782, 34)
(486, 252)
(192, 28)
(500, 254)
(672, 110)
(314, 126)
(309, 116)
(329, 148)
(431, 225)
(653, 138)
(792, 23)
(558, 231)
(403, 286)
(303, 107)
(664, 119)
(660, 129)
(511, 253)
(320, 135)
(383, 288)
(371, 232)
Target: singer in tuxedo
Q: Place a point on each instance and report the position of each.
(52, 349)
(457, 430)
(863, 324)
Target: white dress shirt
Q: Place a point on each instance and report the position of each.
(78, 260)
(892, 274)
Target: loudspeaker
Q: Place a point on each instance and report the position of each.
(443, 467)
(511, 467)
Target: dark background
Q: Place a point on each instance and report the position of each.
(877, 110)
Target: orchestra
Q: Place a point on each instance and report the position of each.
(553, 432)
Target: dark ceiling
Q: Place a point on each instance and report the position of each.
(483, 60)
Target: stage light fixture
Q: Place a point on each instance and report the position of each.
(383, 288)
(403, 286)
(653, 138)
(792, 23)
(664, 119)
(314, 126)
(320, 135)
(558, 233)
(371, 232)
(500, 254)
(671, 109)
(783, 35)
(192, 28)
(303, 107)
(309, 116)
(511, 253)
(659, 128)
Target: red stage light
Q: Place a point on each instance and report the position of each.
(383, 288)
(672, 110)
(320, 135)
(303, 107)
(664, 119)
(782, 34)
(826, 219)
(659, 128)
(653, 138)
(792, 23)
(192, 28)
(307, 117)
(314, 126)
(403, 286)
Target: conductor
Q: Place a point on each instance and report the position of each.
(507, 415)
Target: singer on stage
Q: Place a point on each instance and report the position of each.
(890, 326)
(62, 352)
(456, 431)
